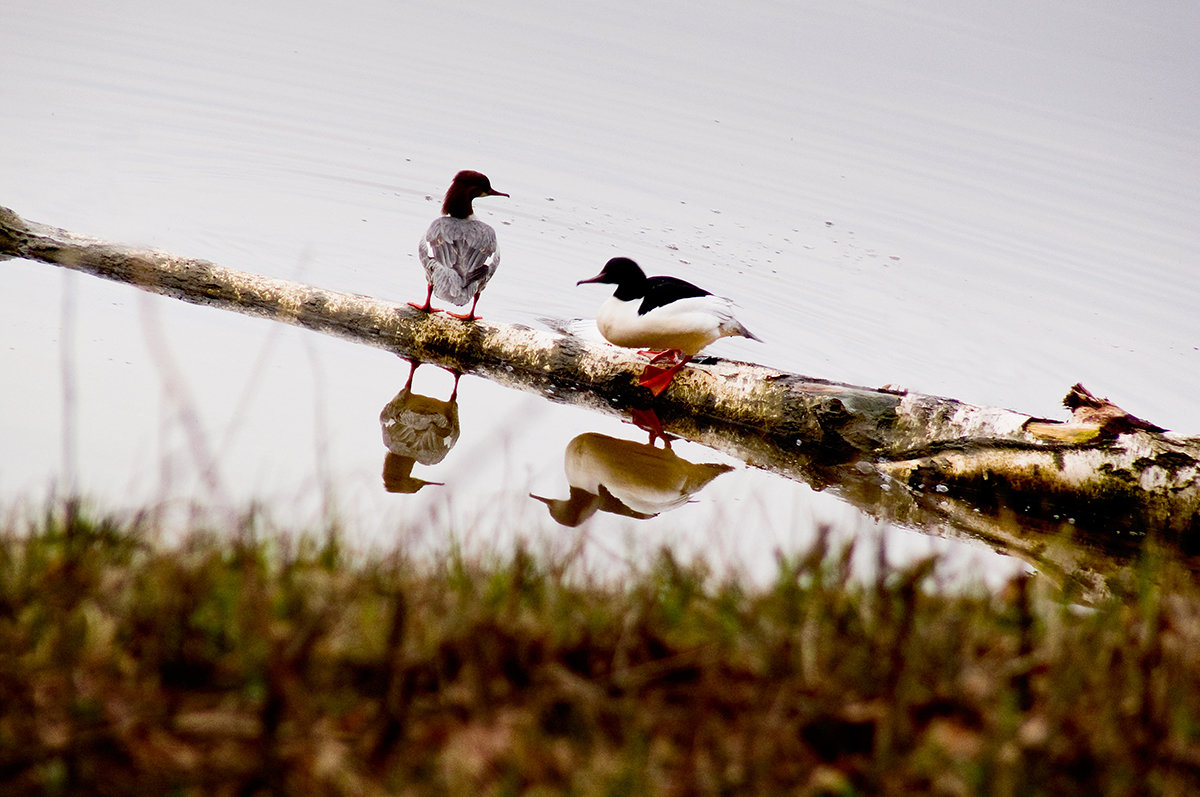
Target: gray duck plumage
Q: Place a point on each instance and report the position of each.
(459, 252)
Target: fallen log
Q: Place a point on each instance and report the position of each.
(1100, 478)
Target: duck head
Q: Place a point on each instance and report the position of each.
(620, 271)
(466, 187)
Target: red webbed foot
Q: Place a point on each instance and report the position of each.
(427, 307)
(647, 420)
(657, 378)
(470, 314)
(664, 356)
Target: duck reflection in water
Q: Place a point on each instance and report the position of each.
(416, 428)
(624, 477)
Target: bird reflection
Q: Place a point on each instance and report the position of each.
(416, 429)
(624, 477)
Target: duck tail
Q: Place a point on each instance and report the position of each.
(745, 333)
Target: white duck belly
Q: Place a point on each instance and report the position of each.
(687, 324)
(644, 478)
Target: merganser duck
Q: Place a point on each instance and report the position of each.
(458, 251)
(624, 477)
(668, 319)
(416, 428)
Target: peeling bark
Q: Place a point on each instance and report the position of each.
(901, 456)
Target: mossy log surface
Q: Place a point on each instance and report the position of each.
(896, 453)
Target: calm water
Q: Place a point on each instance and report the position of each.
(980, 201)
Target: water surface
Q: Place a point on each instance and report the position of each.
(983, 202)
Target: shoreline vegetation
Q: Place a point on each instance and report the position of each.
(250, 661)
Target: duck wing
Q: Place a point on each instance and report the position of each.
(459, 257)
(661, 291)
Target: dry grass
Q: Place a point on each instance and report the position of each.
(259, 665)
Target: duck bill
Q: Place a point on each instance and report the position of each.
(597, 278)
(495, 193)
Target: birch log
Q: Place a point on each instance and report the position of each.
(893, 452)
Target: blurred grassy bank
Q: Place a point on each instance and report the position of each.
(246, 662)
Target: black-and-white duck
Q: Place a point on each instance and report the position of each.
(459, 252)
(667, 318)
(624, 477)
